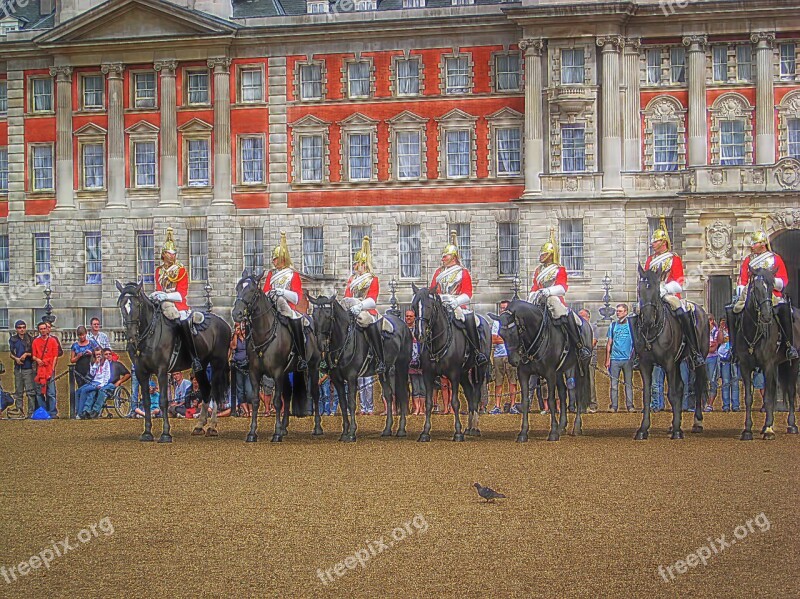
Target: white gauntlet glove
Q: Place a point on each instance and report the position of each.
(158, 296)
(278, 292)
(355, 309)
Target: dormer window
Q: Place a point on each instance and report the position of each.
(317, 8)
(366, 5)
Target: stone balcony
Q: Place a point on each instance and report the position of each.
(572, 99)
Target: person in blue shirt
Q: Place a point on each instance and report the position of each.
(155, 402)
(20, 346)
(619, 357)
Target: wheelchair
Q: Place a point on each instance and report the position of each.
(119, 400)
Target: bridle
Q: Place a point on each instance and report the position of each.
(651, 329)
(135, 340)
(761, 323)
(538, 340)
(426, 336)
(254, 308)
(333, 357)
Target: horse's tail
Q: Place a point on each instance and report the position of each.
(701, 385)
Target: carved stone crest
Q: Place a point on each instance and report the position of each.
(788, 219)
(787, 173)
(571, 184)
(718, 240)
(717, 177)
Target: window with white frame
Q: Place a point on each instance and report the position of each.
(358, 79)
(664, 134)
(364, 5)
(793, 138)
(677, 61)
(93, 165)
(5, 262)
(407, 70)
(410, 251)
(145, 257)
(197, 87)
(653, 57)
(731, 145)
(457, 75)
(462, 2)
(3, 97)
(253, 249)
(719, 63)
(571, 244)
(3, 170)
(458, 157)
(357, 234)
(788, 61)
(744, 62)
(92, 92)
(464, 242)
(665, 146)
(409, 155)
(311, 158)
(144, 89)
(313, 251)
(42, 94)
(573, 147)
(508, 72)
(508, 246)
(311, 81)
(572, 66)
(508, 142)
(198, 162)
(41, 258)
(251, 159)
(144, 164)
(4, 324)
(198, 255)
(94, 257)
(42, 163)
(413, 3)
(359, 156)
(316, 8)
(251, 85)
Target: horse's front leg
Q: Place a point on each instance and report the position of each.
(352, 387)
(401, 382)
(791, 391)
(387, 391)
(770, 392)
(646, 370)
(676, 399)
(524, 387)
(313, 383)
(555, 429)
(277, 402)
(747, 374)
(455, 403)
(255, 401)
(205, 394)
(427, 377)
(144, 386)
(163, 402)
(341, 395)
(563, 401)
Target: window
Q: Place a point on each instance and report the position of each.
(313, 252)
(4, 318)
(457, 75)
(253, 249)
(458, 153)
(198, 255)
(252, 159)
(731, 142)
(508, 244)
(509, 155)
(719, 57)
(573, 148)
(197, 87)
(677, 59)
(3, 97)
(788, 61)
(42, 167)
(311, 82)
(407, 77)
(362, 5)
(3, 170)
(571, 244)
(410, 252)
(409, 156)
(744, 62)
(572, 65)
(41, 258)
(144, 86)
(93, 88)
(507, 71)
(360, 156)
(793, 137)
(315, 8)
(358, 83)
(94, 258)
(413, 3)
(145, 257)
(654, 66)
(93, 158)
(5, 263)
(144, 164)
(357, 234)
(251, 84)
(198, 163)
(462, 2)
(42, 94)
(311, 158)
(653, 223)
(665, 146)
(464, 243)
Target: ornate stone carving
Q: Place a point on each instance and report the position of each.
(788, 219)
(221, 64)
(166, 67)
(731, 107)
(535, 45)
(615, 41)
(719, 240)
(571, 184)
(112, 69)
(767, 37)
(660, 182)
(717, 177)
(61, 73)
(692, 183)
(787, 173)
(699, 41)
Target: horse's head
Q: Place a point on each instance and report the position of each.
(427, 305)
(248, 291)
(648, 290)
(759, 292)
(509, 331)
(134, 306)
(324, 317)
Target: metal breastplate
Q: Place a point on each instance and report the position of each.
(168, 277)
(360, 285)
(449, 280)
(763, 260)
(282, 279)
(662, 264)
(546, 277)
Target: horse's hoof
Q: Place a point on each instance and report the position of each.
(212, 432)
(553, 437)
(343, 438)
(476, 432)
(386, 434)
(401, 434)
(470, 432)
(165, 438)
(251, 438)
(678, 434)
(792, 430)
(577, 432)
(458, 437)
(317, 432)
(348, 439)
(424, 438)
(769, 434)
(198, 431)
(641, 435)
(277, 438)
(146, 437)
(746, 436)
(697, 428)
(522, 438)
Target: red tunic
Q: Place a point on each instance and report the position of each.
(295, 285)
(776, 265)
(46, 349)
(181, 286)
(372, 292)
(560, 278)
(671, 270)
(464, 286)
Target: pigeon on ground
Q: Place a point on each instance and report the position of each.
(487, 493)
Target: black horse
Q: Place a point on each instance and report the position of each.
(270, 352)
(757, 340)
(347, 355)
(658, 339)
(445, 351)
(536, 345)
(155, 347)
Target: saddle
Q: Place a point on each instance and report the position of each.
(307, 322)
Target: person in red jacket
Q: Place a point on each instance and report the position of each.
(363, 287)
(45, 351)
(284, 283)
(670, 267)
(454, 283)
(763, 257)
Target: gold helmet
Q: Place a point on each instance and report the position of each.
(549, 247)
(451, 249)
(661, 233)
(761, 235)
(169, 246)
(364, 255)
(281, 253)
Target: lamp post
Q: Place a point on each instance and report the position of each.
(393, 299)
(607, 311)
(208, 289)
(517, 284)
(48, 307)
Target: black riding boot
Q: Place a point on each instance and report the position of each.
(296, 326)
(696, 359)
(373, 333)
(188, 337)
(784, 315)
(732, 324)
(472, 334)
(570, 327)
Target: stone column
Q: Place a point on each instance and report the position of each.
(611, 143)
(169, 133)
(534, 117)
(16, 142)
(65, 194)
(698, 126)
(765, 98)
(631, 123)
(222, 130)
(116, 135)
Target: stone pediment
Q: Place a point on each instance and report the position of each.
(90, 130)
(135, 20)
(309, 122)
(196, 126)
(407, 118)
(142, 128)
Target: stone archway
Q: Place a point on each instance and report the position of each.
(787, 244)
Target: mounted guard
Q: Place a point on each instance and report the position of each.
(669, 266)
(550, 285)
(284, 283)
(453, 283)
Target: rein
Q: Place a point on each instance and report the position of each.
(657, 325)
(761, 325)
(427, 338)
(151, 327)
(333, 357)
(253, 310)
(538, 340)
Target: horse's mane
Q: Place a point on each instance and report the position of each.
(766, 274)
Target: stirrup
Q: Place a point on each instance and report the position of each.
(301, 363)
(197, 366)
(584, 353)
(697, 359)
(791, 353)
(481, 359)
